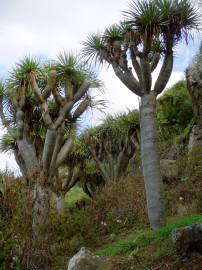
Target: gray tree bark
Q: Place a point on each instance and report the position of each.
(60, 204)
(40, 209)
(195, 138)
(151, 162)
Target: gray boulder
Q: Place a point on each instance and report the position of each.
(188, 239)
(86, 260)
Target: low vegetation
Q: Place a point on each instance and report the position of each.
(114, 223)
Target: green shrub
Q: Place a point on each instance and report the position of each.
(74, 195)
(76, 241)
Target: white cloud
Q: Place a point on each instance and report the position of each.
(49, 26)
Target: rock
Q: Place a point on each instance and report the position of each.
(188, 239)
(169, 170)
(86, 260)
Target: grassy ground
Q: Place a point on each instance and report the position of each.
(146, 250)
(143, 249)
(128, 247)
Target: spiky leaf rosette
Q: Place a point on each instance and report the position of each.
(153, 22)
(7, 143)
(70, 66)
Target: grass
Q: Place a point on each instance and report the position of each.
(145, 238)
(141, 238)
(182, 222)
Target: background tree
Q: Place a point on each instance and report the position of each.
(59, 94)
(134, 48)
(113, 144)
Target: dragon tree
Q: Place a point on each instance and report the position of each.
(134, 48)
(113, 144)
(39, 106)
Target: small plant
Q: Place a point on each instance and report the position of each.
(77, 241)
(133, 255)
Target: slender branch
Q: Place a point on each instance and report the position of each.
(118, 165)
(66, 147)
(20, 124)
(50, 85)
(81, 108)
(165, 73)
(68, 178)
(82, 91)
(20, 163)
(117, 170)
(134, 47)
(111, 165)
(104, 173)
(42, 102)
(136, 65)
(73, 180)
(57, 148)
(26, 130)
(68, 89)
(58, 98)
(69, 105)
(122, 60)
(35, 88)
(86, 189)
(63, 114)
(49, 146)
(14, 101)
(127, 79)
(155, 61)
(22, 96)
(64, 152)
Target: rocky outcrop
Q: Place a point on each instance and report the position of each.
(194, 86)
(86, 260)
(188, 239)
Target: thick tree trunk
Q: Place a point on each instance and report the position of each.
(40, 210)
(151, 162)
(60, 204)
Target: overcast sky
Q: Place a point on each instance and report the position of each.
(46, 27)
